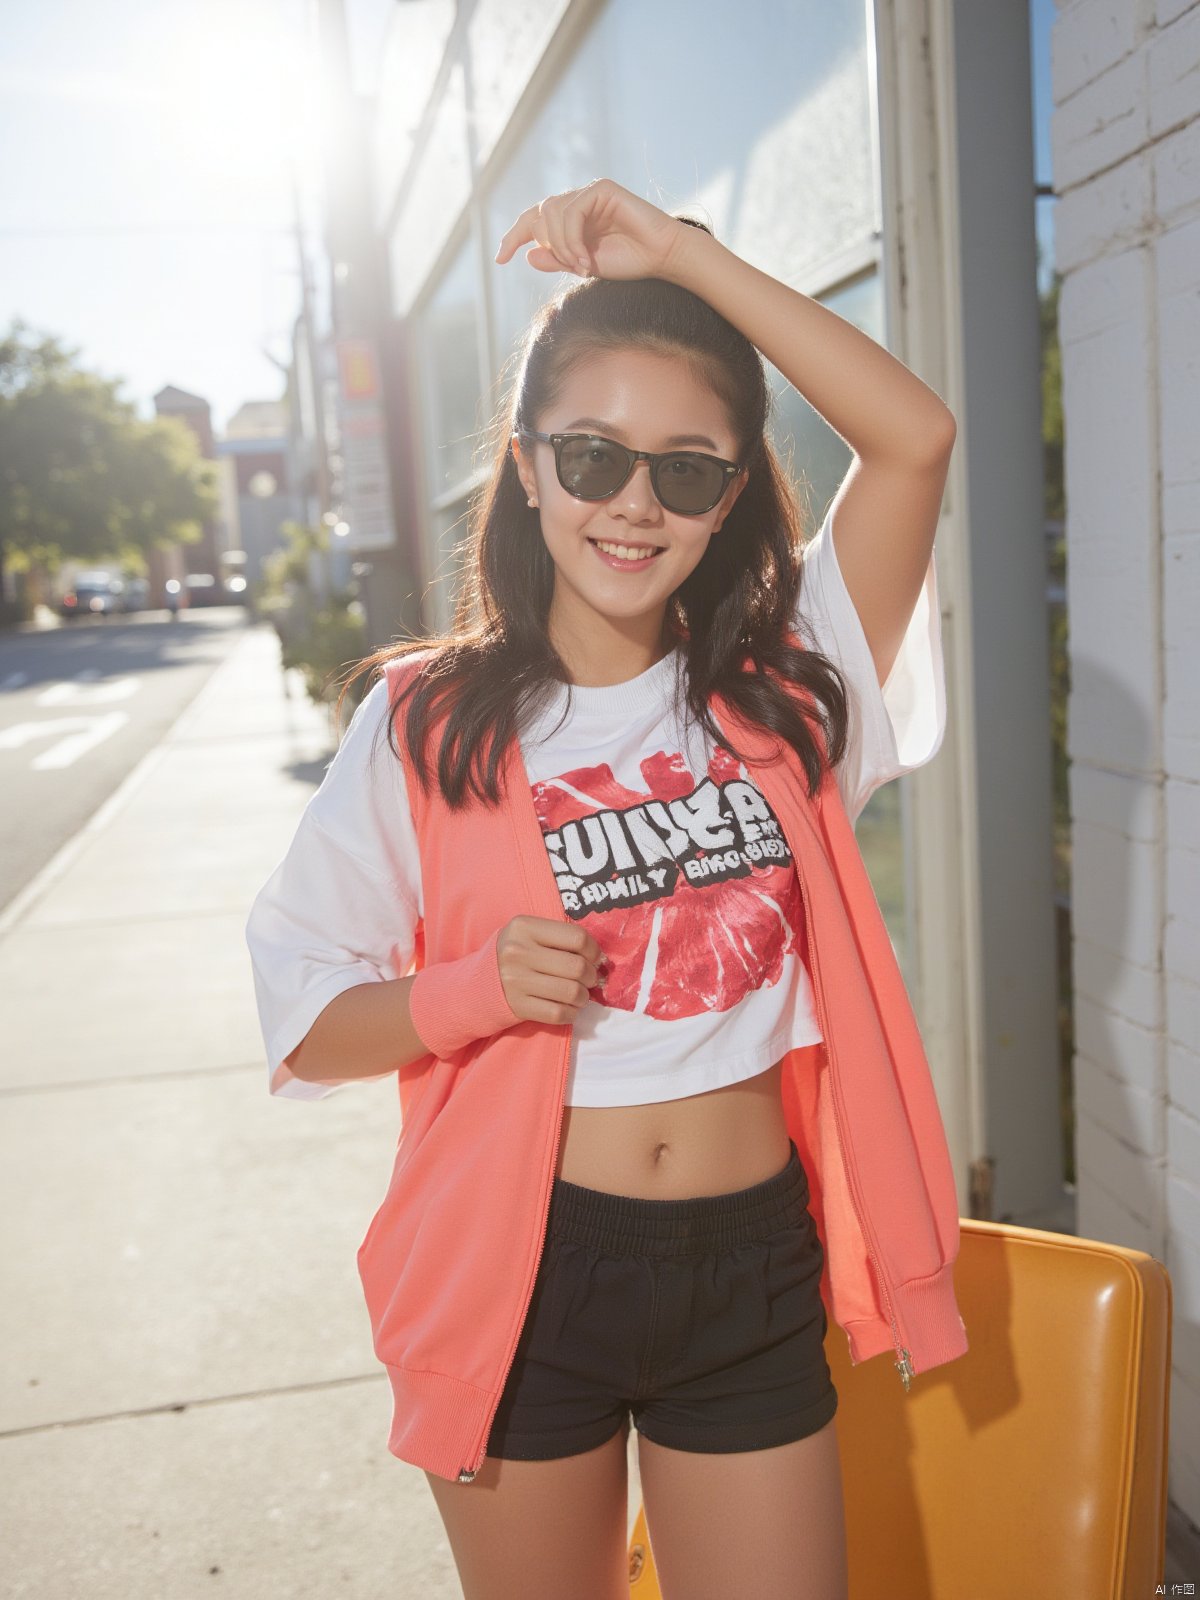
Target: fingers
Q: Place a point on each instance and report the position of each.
(555, 935)
(552, 232)
(557, 949)
(574, 215)
(563, 982)
(571, 965)
(557, 224)
(548, 967)
(520, 233)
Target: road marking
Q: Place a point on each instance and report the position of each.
(82, 734)
(81, 691)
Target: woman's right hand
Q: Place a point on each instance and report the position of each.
(547, 967)
(601, 230)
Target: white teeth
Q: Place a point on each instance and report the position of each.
(625, 551)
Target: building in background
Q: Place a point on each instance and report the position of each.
(1126, 147)
(878, 156)
(256, 443)
(195, 411)
(855, 157)
(230, 554)
(364, 364)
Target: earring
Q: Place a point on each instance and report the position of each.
(532, 501)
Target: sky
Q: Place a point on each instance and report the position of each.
(145, 209)
(145, 201)
(1041, 21)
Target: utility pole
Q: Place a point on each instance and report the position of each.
(317, 374)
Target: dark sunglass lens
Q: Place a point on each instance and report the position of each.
(591, 467)
(689, 483)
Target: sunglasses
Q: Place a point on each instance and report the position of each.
(592, 467)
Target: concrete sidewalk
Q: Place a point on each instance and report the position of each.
(191, 1405)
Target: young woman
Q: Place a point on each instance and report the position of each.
(636, 563)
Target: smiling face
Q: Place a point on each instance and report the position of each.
(648, 402)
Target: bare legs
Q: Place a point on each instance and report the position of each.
(764, 1522)
(527, 1528)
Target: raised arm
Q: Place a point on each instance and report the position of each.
(902, 434)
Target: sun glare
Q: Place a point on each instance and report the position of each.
(232, 90)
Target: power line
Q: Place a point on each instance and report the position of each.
(283, 229)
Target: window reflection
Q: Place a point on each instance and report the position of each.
(450, 371)
(819, 460)
(785, 171)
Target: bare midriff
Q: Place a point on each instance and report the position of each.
(713, 1143)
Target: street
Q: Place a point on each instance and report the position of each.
(189, 1402)
(79, 705)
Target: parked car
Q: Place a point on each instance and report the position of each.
(94, 594)
(203, 589)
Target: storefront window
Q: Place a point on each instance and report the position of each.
(411, 54)
(778, 157)
(440, 188)
(449, 528)
(450, 334)
(820, 459)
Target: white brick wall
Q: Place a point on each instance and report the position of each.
(1126, 151)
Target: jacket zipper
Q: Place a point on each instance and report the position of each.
(904, 1365)
(468, 1474)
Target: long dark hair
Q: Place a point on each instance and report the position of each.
(496, 667)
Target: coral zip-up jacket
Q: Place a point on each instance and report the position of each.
(448, 1261)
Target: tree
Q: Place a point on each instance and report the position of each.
(320, 638)
(1054, 509)
(1052, 411)
(81, 474)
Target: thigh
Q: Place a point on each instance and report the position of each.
(767, 1522)
(525, 1528)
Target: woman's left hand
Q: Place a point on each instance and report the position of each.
(601, 230)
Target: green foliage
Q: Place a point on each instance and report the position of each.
(1055, 509)
(1052, 412)
(334, 640)
(322, 639)
(82, 476)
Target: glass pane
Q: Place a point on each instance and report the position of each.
(504, 42)
(822, 458)
(780, 158)
(781, 162)
(449, 527)
(450, 371)
(440, 189)
(817, 453)
(413, 46)
(766, 124)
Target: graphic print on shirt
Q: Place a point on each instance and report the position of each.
(689, 888)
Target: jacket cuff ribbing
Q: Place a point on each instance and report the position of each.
(453, 1003)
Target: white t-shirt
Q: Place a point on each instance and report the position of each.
(661, 845)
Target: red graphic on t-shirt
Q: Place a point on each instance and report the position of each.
(690, 888)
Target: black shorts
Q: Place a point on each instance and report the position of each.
(701, 1319)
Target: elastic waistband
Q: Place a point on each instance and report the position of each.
(627, 1224)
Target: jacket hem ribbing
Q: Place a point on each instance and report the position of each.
(931, 1328)
(928, 1311)
(435, 1420)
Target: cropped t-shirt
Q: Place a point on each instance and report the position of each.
(661, 844)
